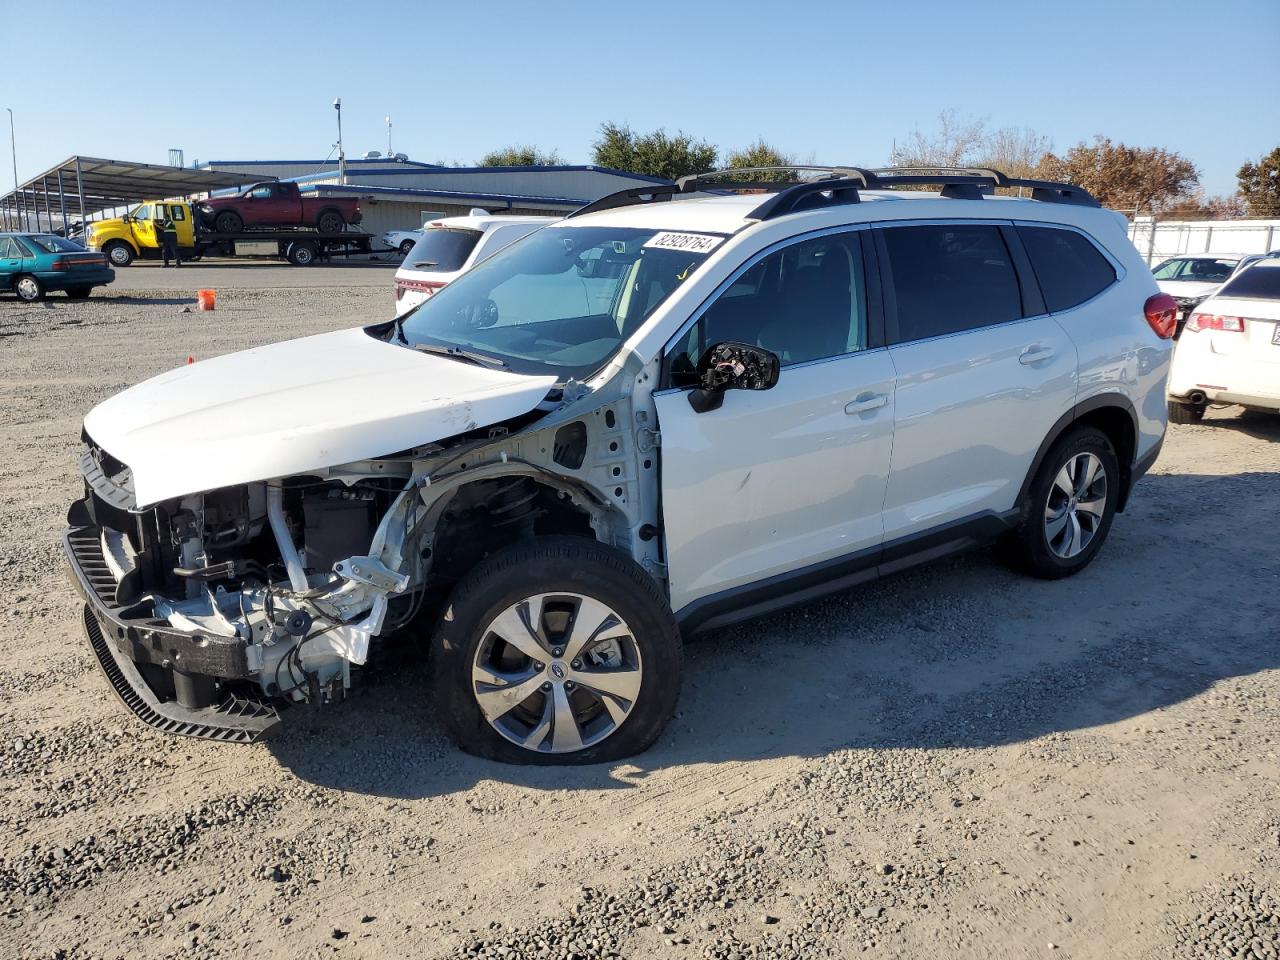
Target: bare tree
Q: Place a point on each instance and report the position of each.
(958, 142)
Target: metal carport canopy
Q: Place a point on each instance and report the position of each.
(81, 186)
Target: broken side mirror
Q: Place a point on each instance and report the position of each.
(732, 366)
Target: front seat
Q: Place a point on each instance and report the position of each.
(815, 312)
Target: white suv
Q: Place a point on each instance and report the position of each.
(444, 248)
(668, 412)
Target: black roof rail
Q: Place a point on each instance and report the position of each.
(1048, 191)
(843, 184)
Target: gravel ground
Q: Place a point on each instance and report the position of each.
(954, 762)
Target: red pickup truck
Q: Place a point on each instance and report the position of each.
(278, 204)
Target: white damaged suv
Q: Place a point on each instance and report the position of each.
(682, 406)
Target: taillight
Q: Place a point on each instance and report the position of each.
(1212, 321)
(1161, 311)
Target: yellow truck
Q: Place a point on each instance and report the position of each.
(123, 239)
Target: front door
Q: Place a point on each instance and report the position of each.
(777, 481)
(10, 262)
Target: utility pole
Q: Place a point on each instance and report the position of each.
(13, 145)
(389, 153)
(342, 157)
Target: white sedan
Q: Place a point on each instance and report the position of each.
(1230, 348)
(402, 240)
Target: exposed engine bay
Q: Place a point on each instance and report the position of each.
(274, 591)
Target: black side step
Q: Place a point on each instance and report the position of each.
(235, 720)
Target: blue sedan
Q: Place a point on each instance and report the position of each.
(31, 264)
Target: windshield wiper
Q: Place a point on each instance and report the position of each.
(461, 353)
(425, 263)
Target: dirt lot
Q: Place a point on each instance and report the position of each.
(956, 762)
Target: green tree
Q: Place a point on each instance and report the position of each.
(1260, 185)
(526, 155)
(654, 154)
(761, 154)
(1142, 180)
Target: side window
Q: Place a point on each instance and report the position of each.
(177, 212)
(947, 278)
(1069, 267)
(804, 302)
(8, 250)
(262, 193)
(144, 212)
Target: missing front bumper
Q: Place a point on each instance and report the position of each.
(121, 642)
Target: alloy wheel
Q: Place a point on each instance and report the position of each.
(1076, 505)
(556, 672)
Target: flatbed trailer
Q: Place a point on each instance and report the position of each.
(300, 246)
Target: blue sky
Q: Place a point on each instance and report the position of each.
(835, 82)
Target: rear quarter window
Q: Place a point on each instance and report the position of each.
(1068, 266)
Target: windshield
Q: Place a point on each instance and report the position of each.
(51, 244)
(562, 300)
(442, 249)
(1261, 281)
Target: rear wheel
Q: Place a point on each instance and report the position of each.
(1069, 507)
(228, 221)
(1185, 412)
(331, 221)
(29, 288)
(119, 253)
(79, 293)
(556, 651)
(302, 253)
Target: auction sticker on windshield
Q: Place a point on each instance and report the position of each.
(688, 242)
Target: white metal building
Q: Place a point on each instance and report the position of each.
(1159, 240)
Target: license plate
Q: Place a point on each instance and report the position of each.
(1275, 337)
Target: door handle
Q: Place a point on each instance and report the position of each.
(866, 402)
(1035, 354)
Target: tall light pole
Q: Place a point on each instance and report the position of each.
(13, 145)
(389, 153)
(342, 157)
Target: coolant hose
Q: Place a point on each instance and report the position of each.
(288, 552)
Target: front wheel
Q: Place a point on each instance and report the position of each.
(29, 289)
(119, 253)
(228, 221)
(1069, 507)
(405, 247)
(556, 651)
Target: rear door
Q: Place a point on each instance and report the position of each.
(983, 373)
(780, 480)
(178, 212)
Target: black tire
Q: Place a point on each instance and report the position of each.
(119, 253)
(302, 253)
(228, 221)
(1185, 412)
(79, 293)
(28, 288)
(551, 565)
(405, 247)
(1029, 547)
(331, 221)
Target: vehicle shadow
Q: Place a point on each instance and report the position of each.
(150, 301)
(962, 653)
(1257, 424)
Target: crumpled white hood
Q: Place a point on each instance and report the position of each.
(296, 406)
